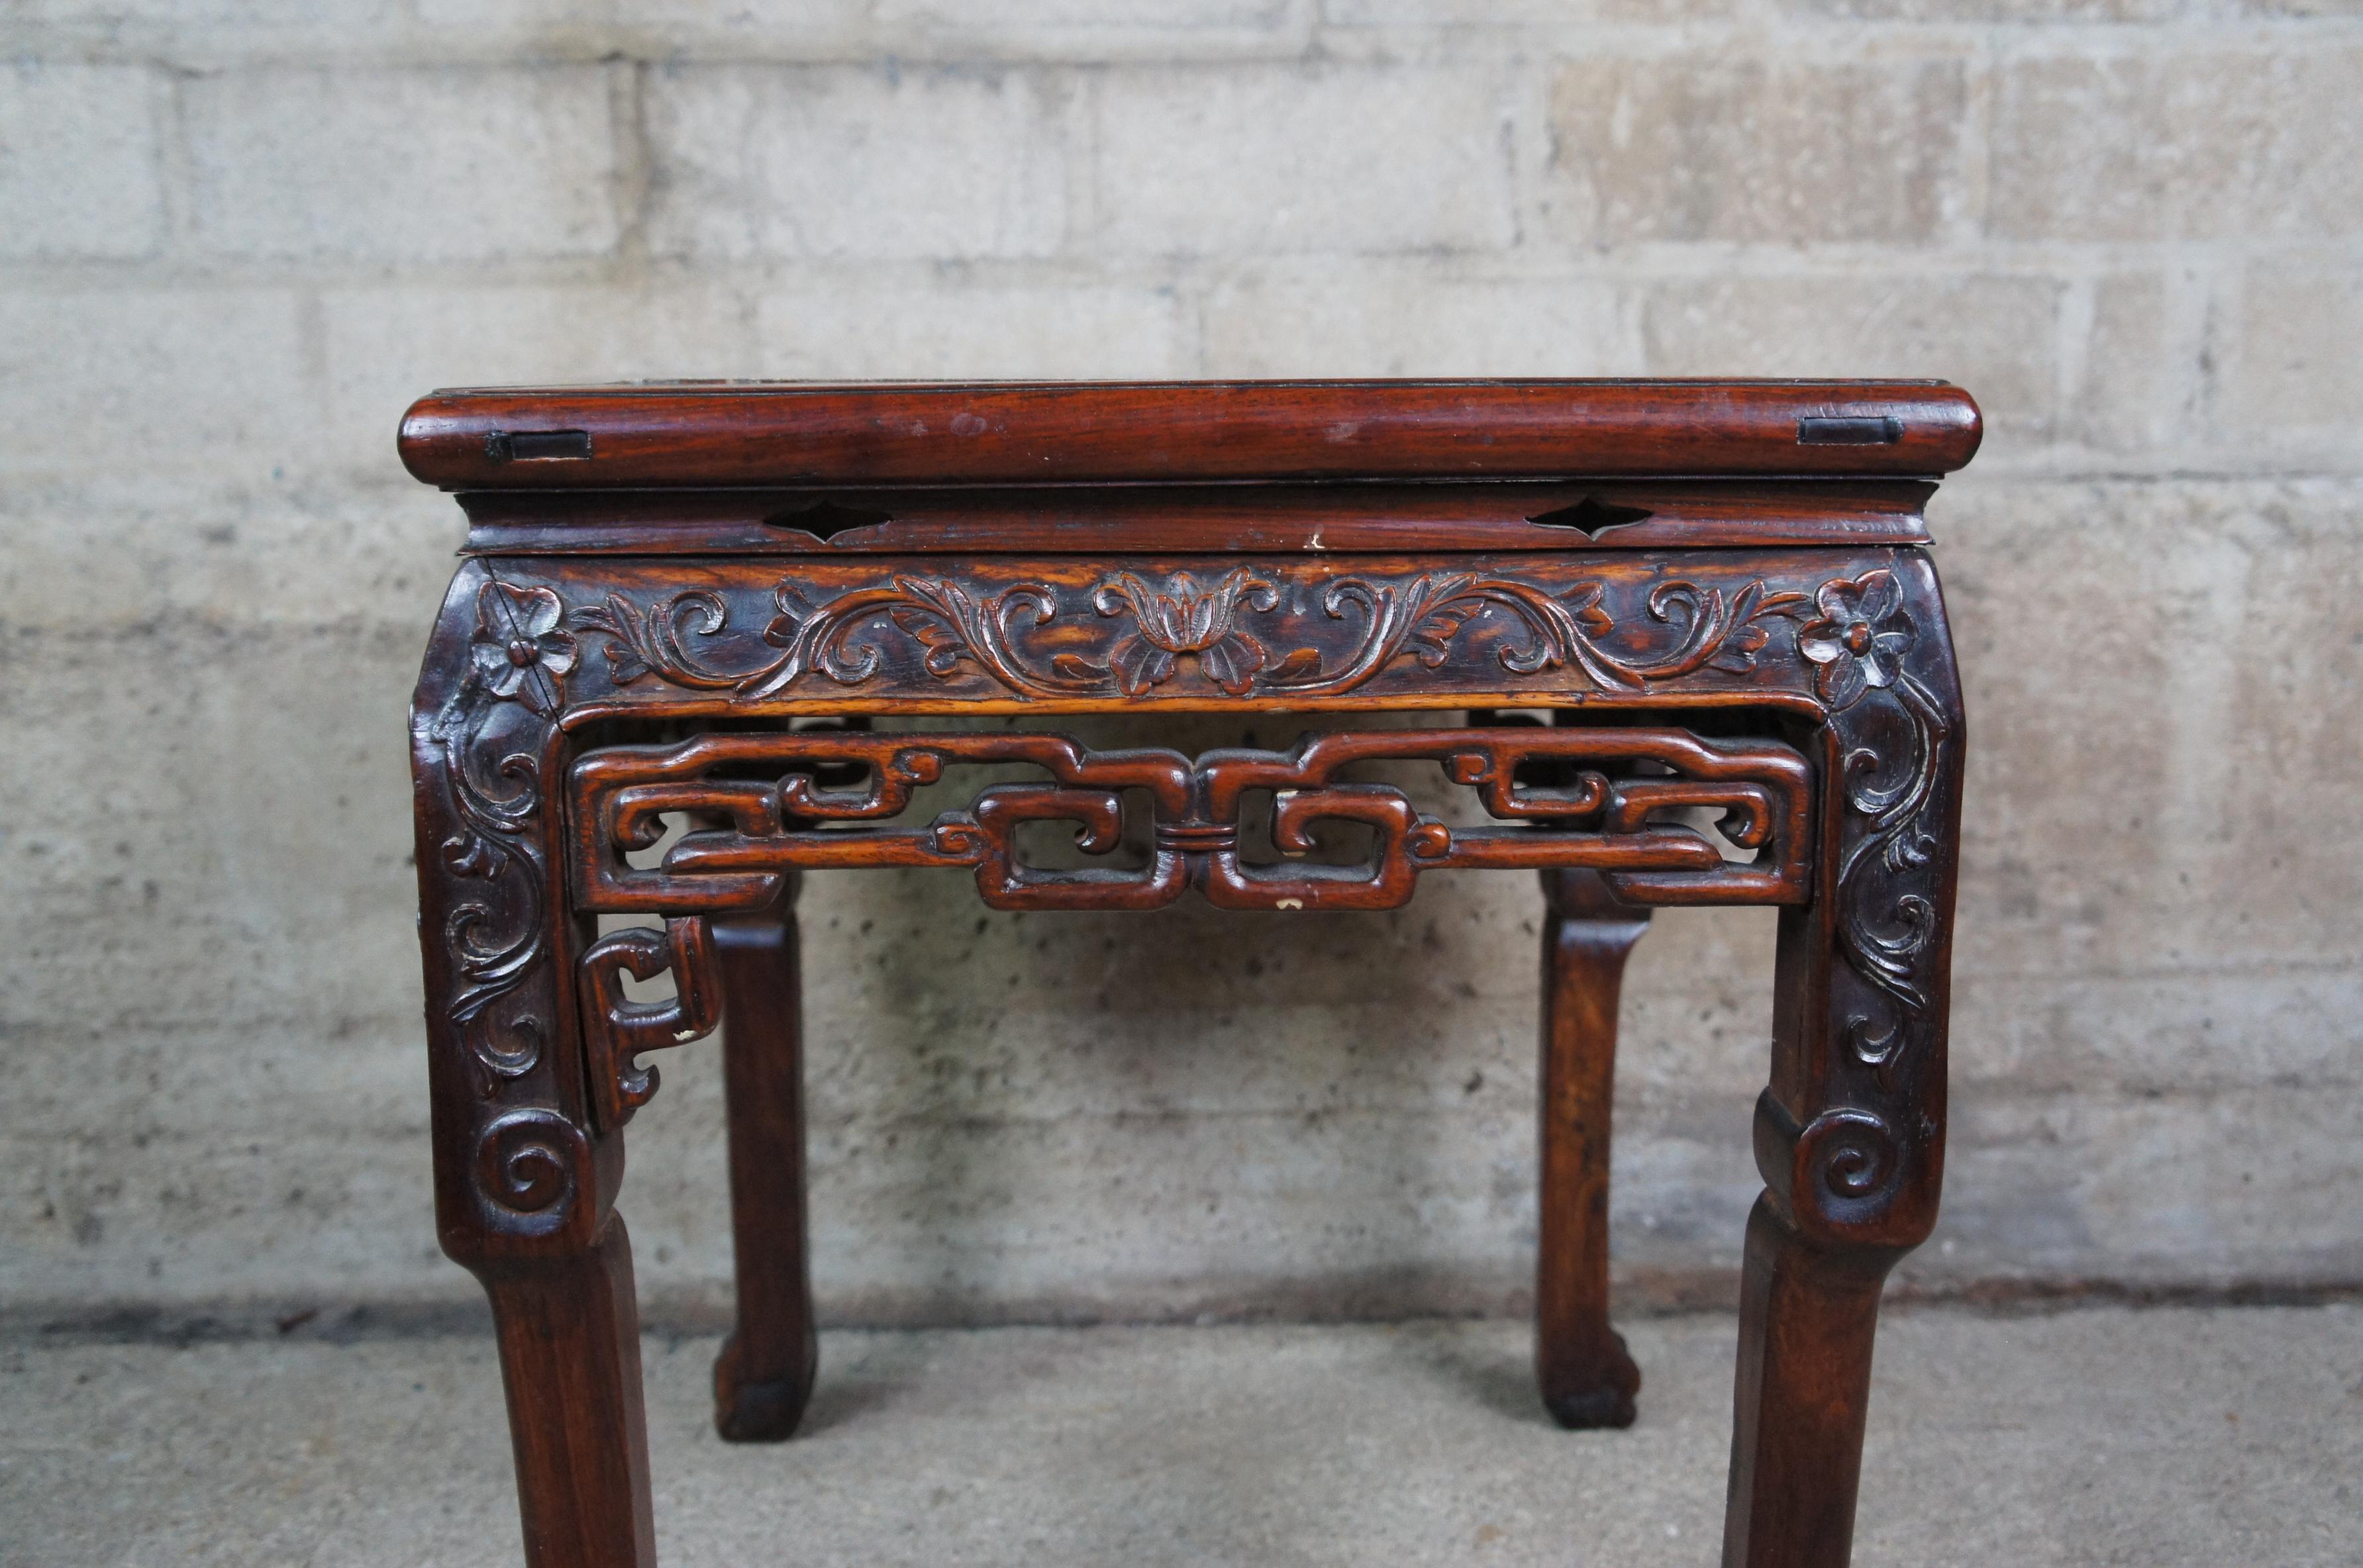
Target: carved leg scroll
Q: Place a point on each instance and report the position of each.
(765, 1371)
(1588, 1379)
(1850, 1135)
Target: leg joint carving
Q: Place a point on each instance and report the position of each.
(532, 1179)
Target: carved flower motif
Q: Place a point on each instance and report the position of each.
(520, 654)
(1862, 637)
(1185, 619)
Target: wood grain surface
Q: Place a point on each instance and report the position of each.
(1750, 697)
(792, 434)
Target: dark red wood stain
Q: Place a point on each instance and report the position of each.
(1716, 591)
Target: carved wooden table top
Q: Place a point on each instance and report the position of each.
(1716, 591)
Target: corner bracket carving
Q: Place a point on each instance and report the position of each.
(617, 1029)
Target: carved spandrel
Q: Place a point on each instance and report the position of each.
(618, 1031)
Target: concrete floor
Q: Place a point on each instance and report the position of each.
(2102, 1436)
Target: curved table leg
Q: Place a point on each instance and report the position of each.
(1587, 1377)
(764, 1375)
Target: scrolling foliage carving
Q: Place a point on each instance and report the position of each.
(1859, 644)
(1860, 1163)
(490, 735)
(1245, 632)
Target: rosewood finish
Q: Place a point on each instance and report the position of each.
(650, 694)
(754, 433)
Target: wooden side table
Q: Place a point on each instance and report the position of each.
(685, 604)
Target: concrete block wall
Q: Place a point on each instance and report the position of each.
(236, 239)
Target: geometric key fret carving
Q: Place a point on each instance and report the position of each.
(758, 812)
(1596, 799)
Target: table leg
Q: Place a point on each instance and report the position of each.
(1807, 1316)
(570, 1339)
(1850, 1132)
(525, 1179)
(1848, 1194)
(764, 1375)
(1588, 1378)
